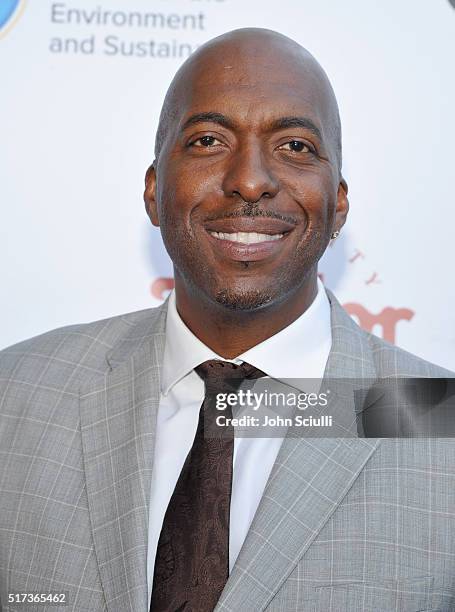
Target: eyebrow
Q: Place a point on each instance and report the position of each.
(208, 118)
(300, 122)
(279, 124)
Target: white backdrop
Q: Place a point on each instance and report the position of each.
(81, 88)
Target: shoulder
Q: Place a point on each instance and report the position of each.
(390, 360)
(386, 359)
(67, 356)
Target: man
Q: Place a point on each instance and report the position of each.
(112, 494)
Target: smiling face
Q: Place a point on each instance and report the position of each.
(246, 187)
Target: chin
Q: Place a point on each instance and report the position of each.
(247, 300)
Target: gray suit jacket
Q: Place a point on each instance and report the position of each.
(345, 524)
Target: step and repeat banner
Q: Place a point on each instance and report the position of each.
(82, 83)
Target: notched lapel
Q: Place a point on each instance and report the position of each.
(309, 479)
(118, 420)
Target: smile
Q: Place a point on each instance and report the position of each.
(246, 237)
(247, 246)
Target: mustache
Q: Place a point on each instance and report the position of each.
(253, 211)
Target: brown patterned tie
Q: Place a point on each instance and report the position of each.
(192, 558)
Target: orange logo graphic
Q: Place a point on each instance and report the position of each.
(387, 319)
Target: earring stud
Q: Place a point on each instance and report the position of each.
(335, 234)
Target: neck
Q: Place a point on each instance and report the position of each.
(230, 333)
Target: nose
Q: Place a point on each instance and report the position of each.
(249, 175)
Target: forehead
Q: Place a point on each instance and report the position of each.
(254, 85)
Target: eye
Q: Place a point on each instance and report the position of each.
(296, 146)
(205, 141)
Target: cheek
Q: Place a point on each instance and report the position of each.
(181, 188)
(317, 197)
(171, 200)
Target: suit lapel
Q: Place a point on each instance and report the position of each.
(118, 419)
(309, 479)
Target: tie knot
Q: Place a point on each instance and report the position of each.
(219, 374)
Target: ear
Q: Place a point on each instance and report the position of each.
(342, 208)
(150, 195)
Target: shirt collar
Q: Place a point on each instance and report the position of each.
(300, 350)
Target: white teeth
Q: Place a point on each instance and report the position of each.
(246, 237)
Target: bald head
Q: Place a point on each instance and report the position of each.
(252, 57)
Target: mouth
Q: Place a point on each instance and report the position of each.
(249, 239)
(245, 238)
(268, 226)
(247, 246)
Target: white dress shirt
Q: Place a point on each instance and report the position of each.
(300, 350)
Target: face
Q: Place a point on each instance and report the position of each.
(246, 188)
